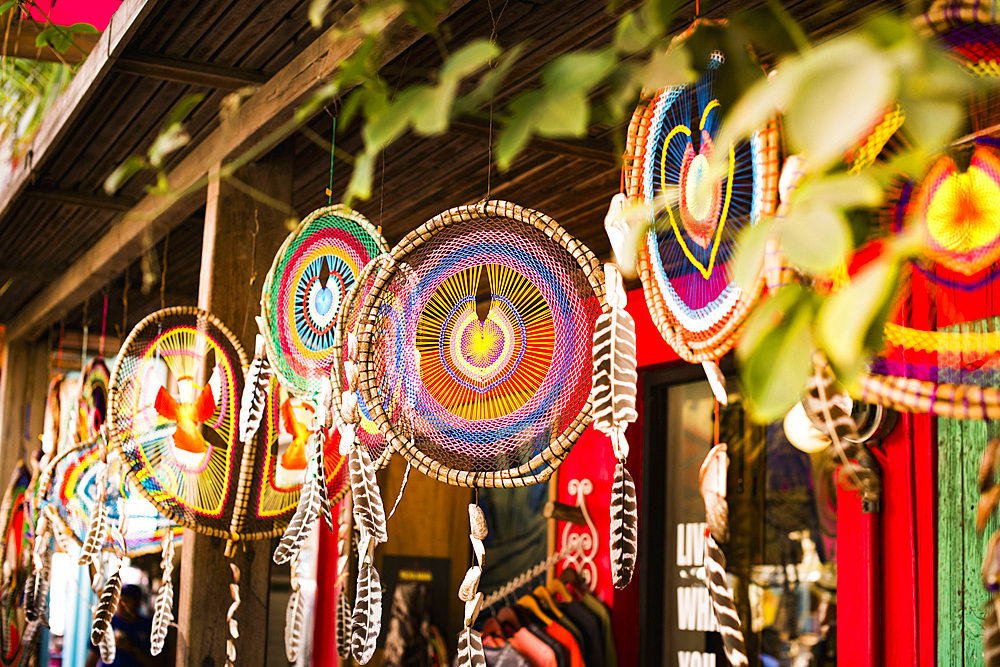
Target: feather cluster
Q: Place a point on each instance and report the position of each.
(722, 601)
(234, 630)
(712, 480)
(317, 441)
(108, 648)
(106, 608)
(613, 394)
(343, 625)
(369, 512)
(255, 391)
(366, 622)
(97, 532)
(624, 527)
(163, 613)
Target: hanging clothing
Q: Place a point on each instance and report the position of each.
(603, 615)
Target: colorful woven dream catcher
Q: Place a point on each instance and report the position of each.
(92, 404)
(684, 258)
(18, 625)
(476, 355)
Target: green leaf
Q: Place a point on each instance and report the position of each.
(316, 101)
(766, 316)
(516, 134)
(167, 141)
(360, 185)
(317, 9)
(434, 111)
(578, 71)
(564, 115)
(82, 28)
(181, 110)
(842, 190)
(668, 68)
(842, 87)
(774, 375)
(851, 321)
(7, 5)
(932, 123)
(125, 171)
(750, 253)
(385, 128)
(633, 33)
(469, 59)
(814, 238)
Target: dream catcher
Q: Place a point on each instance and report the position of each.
(92, 404)
(684, 257)
(476, 357)
(18, 625)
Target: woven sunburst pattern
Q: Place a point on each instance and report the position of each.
(174, 411)
(684, 259)
(92, 404)
(969, 30)
(310, 277)
(349, 321)
(478, 338)
(15, 518)
(280, 459)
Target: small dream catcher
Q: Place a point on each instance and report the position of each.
(476, 356)
(52, 420)
(92, 404)
(684, 260)
(18, 628)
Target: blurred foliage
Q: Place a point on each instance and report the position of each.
(29, 88)
(827, 94)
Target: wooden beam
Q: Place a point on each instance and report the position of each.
(20, 43)
(189, 71)
(74, 198)
(266, 114)
(24, 383)
(59, 121)
(592, 150)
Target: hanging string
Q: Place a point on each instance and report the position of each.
(253, 268)
(104, 325)
(333, 145)
(124, 330)
(493, 66)
(86, 332)
(62, 334)
(163, 275)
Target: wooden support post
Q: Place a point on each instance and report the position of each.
(24, 382)
(233, 266)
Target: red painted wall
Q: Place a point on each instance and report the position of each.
(67, 12)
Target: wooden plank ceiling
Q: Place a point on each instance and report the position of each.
(64, 212)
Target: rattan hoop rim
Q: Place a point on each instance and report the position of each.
(113, 404)
(954, 401)
(542, 465)
(273, 347)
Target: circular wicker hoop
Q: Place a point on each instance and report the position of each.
(349, 322)
(695, 304)
(332, 235)
(529, 451)
(151, 460)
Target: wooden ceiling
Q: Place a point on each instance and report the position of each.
(64, 212)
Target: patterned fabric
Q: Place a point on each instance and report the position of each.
(476, 358)
(684, 261)
(309, 279)
(17, 545)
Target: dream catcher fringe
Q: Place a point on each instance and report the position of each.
(163, 614)
(307, 511)
(255, 391)
(470, 645)
(369, 517)
(613, 399)
(106, 608)
(294, 617)
(712, 481)
(234, 629)
(97, 530)
(343, 619)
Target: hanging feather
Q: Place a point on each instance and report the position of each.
(319, 438)
(106, 608)
(343, 625)
(366, 622)
(108, 648)
(624, 527)
(97, 531)
(41, 600)
(712, 480)
(302, 521)
(717, 381)
(367, 500)
(28, 640)
(402, 487)
(294, 618)
(255, 391)
(828, 404)
(722, 601)
(613, 393)
(234, 630)
(37, 587)
(163, 613)
(470, 649)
